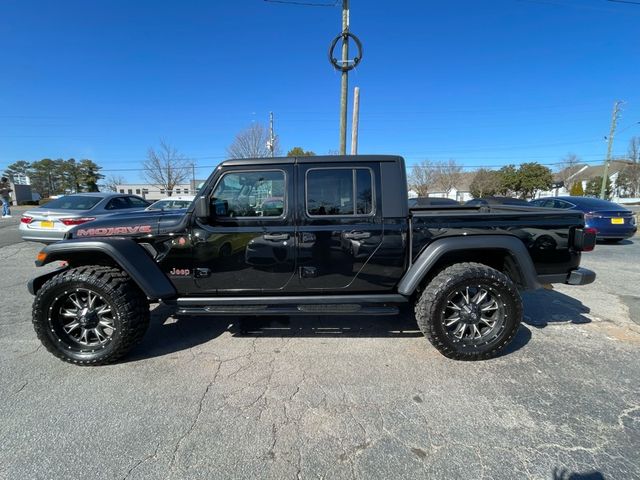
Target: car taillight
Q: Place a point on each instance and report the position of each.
(584, 239)
(76, 221)
(26, 219)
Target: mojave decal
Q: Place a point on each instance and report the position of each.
(109, 231)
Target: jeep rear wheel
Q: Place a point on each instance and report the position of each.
(90, 315)
(469, 311)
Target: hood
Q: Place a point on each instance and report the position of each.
(137, 224)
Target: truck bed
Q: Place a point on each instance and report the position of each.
(546, 233)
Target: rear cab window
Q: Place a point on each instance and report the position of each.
(339, 192)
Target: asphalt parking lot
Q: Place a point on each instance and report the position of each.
(331, 398)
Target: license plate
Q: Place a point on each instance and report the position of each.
(617, 221)
(46, 224)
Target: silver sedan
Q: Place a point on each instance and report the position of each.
(50, 222)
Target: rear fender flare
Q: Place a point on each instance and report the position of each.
(434, 251)
(126, 253)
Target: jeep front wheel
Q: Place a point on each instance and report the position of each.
(469, 311)
(90, 315)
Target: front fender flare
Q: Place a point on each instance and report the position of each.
(126, 253)
(438, 248)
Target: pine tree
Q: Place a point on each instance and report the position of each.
(576, 190)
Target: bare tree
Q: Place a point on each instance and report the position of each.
(568, 168)
(252, 143)
(422, 177)
(166, 167)
(448, 175)
(112, 182)
(629, 178)
(634, 149)
(485, 183)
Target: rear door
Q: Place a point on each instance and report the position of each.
(339, 226)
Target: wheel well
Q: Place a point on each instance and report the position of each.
(498, 258)
(78, 259)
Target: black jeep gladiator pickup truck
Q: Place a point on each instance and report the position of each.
(306, 236)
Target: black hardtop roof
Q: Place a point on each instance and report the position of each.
(312, 159)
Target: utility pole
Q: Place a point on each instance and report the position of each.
(344, 66)
(271, 145)
(614, 120)
(354, 121)
(344, 86)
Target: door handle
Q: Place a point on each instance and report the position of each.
(276, 237)
(357, 235)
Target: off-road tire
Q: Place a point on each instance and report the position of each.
(129, 305)
(430, 310)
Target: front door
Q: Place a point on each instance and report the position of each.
(248, 245)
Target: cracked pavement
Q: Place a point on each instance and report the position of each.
(334, 398)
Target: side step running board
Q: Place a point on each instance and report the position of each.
(285, 310)
(292, 305)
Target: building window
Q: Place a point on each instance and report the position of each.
(178, 191)
(186, 192)
(122, 190)
(137, 191)
(129, 191)
(162, 191)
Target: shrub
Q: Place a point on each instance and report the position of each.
(576, 190)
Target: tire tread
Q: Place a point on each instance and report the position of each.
(128, 299)
(425, 307)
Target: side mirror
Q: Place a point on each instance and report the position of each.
(202, 210)
(221, 208)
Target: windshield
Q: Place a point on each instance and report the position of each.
(73, 202)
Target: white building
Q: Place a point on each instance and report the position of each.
(583, 173)
(155, 192)
(461, 192)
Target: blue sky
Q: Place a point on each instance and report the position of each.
(484, 82)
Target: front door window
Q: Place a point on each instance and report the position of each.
(250, 195)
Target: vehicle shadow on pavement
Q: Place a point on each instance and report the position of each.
(544, 306)
(563, 474)
(168, 334)
(523, 336)
(400, 326)
(403, 325)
